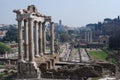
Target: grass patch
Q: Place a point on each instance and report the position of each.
(98, 55)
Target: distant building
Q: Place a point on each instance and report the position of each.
(59, 26)
(107, 20)
(3, 34)
(104, 39)
(111, 26)
(91, 26)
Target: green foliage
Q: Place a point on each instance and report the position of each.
(102, 56)
(114, 41)
(4, 48)
(64, 37)
(112, 56)
(1, 75)
(11, 35)
(98, 55)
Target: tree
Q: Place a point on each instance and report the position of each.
(64, 37)
(4, 48)
(11, 35)
(114, 41)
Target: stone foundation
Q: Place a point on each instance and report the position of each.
(28, 70)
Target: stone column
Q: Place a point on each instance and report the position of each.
(90, 36)
(85, 36)
(40, 38)
(44, 37)
(26, 56)
(52, 37)
(31, 41)
(36, 39)
(20, 42)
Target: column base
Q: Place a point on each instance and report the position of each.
(26, 59)
(52, 52)
(41, 54)
(37, 56)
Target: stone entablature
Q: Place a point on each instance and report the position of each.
(32, 13)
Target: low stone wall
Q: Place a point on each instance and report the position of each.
(8, 61)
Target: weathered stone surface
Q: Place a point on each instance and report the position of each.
(33, 39)
(28, 70)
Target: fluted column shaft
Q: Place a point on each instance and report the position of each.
(52, 37)
(31, 41)
(44, 37)
(36, 39)
(26, 56)
(40, 38)
(20, 42)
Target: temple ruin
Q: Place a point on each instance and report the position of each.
(33, 60)
(88, 36)
(32, 42)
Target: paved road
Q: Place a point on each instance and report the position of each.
(66, 52)
(74, 55)
(84, 56)
(79, 56)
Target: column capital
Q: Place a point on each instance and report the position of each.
(35, 21)
(39, 22)
(25, 20)
(30, 19)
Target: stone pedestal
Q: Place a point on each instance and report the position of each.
(28, 70)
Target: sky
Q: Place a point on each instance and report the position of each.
(73, 13)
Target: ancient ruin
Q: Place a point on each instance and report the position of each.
(35, 63)
(88, 36)
(32, 47)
